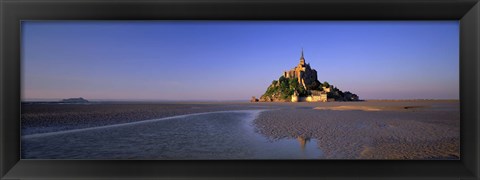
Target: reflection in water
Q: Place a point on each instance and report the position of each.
(303, 141)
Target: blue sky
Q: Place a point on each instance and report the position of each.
(234, 60)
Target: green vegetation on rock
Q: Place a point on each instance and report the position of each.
(283, 89)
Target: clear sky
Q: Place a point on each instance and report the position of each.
(234, 60)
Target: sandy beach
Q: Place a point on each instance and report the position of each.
(421, 129)
(372, 130)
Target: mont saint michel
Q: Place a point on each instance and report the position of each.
(301, 84)
(182, 90)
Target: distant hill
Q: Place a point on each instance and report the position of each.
(74, 100)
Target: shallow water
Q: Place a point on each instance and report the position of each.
(213, 135)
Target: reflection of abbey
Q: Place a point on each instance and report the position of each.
(301, 84)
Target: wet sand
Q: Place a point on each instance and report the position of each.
(372, 130)
(44, 118)
(340, 130)
(200, 136)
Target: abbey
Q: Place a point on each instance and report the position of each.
(301, 84)
(305, 75)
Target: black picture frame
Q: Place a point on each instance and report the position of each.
(14, 11)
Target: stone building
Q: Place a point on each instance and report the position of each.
(318, 96)
(295, 97)
(326, 89)
(304, 74)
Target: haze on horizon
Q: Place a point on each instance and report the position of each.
(234, 60)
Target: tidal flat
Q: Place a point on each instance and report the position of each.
(403, 130)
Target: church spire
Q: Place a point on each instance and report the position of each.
(302, 60)
(302, 54)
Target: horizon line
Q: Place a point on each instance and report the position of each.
(212, 100)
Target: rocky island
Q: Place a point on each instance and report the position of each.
(301, 84)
